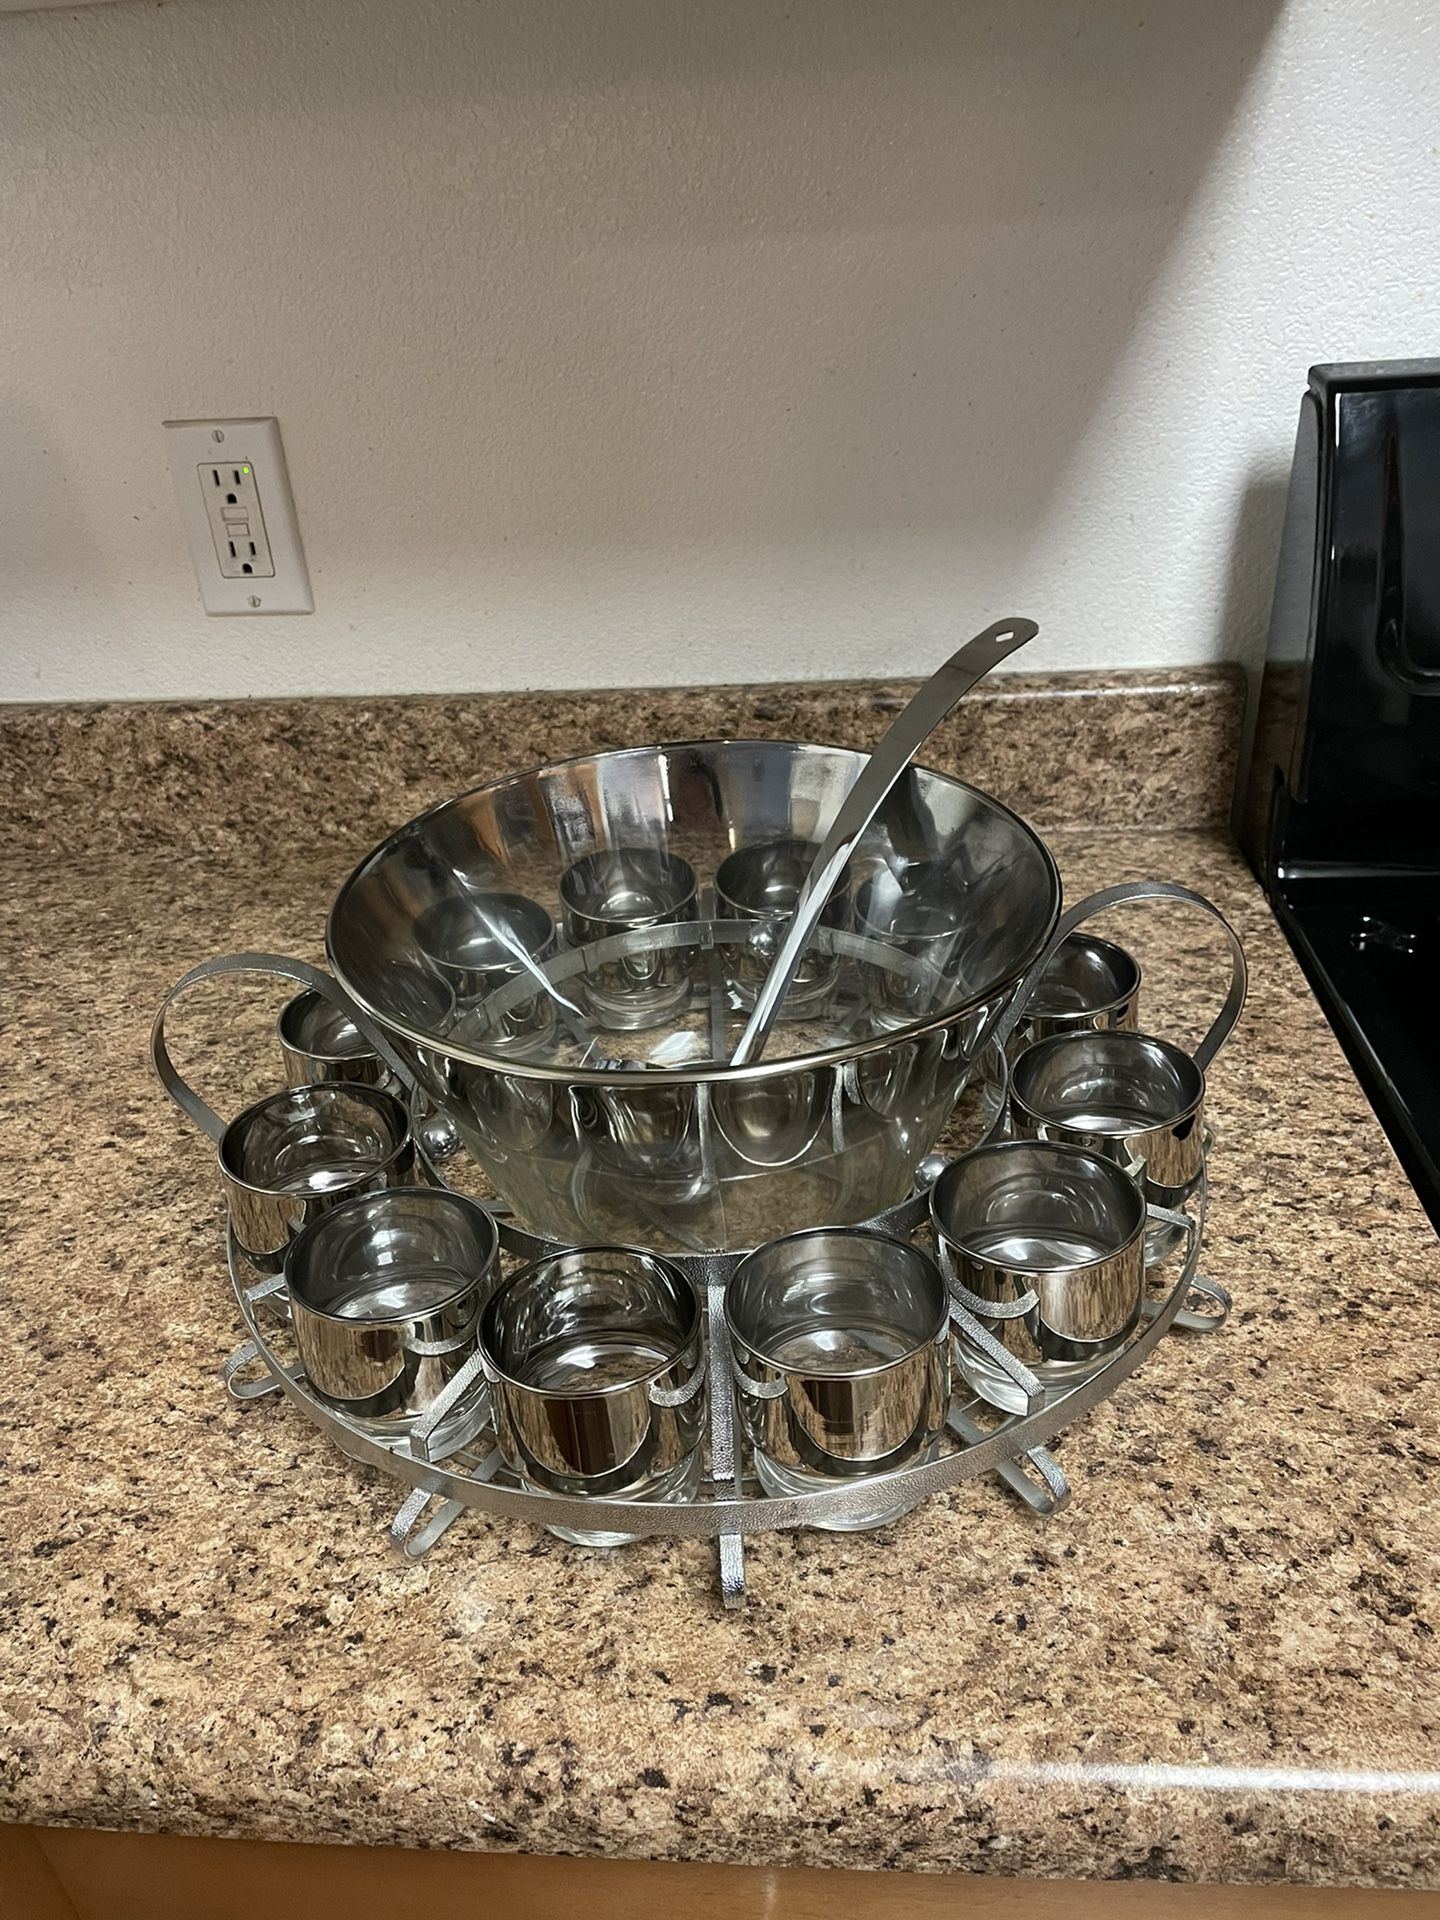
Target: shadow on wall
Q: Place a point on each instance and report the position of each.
(1250, 580)
(1250, 569)
(664, 274)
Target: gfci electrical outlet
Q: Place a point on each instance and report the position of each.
(237, 519)
(234, 496)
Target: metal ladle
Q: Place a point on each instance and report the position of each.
(902, 740)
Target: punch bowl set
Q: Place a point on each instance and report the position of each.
(711, 1138)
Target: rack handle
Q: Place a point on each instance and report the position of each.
(277, 966)
(1122, 895)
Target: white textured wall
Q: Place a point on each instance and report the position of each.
(619, 341)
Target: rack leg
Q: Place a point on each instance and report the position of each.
(724, 1452)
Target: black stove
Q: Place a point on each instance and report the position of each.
(1338, 793)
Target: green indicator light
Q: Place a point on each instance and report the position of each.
(244, 469)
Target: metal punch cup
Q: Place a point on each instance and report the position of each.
(761, 883)
(1046, 1247)
(1136, 1099)
(840, 1340)
(481, 941)
(385, 1299)
(320, 1042)
(631, 890)
(1087, 984)
(596, 1365)
(1043, 1247)
(294, 1155)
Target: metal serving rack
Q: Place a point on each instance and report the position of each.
(449, 1461)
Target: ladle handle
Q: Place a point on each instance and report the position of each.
(1132, 890)
(902, 740)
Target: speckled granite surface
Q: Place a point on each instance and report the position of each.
(1078, 749)
(1220, 1663)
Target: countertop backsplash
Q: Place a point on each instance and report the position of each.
(1069, 749)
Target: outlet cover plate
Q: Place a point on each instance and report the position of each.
(199, 448)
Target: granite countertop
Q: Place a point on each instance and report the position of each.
(1219, 1663)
